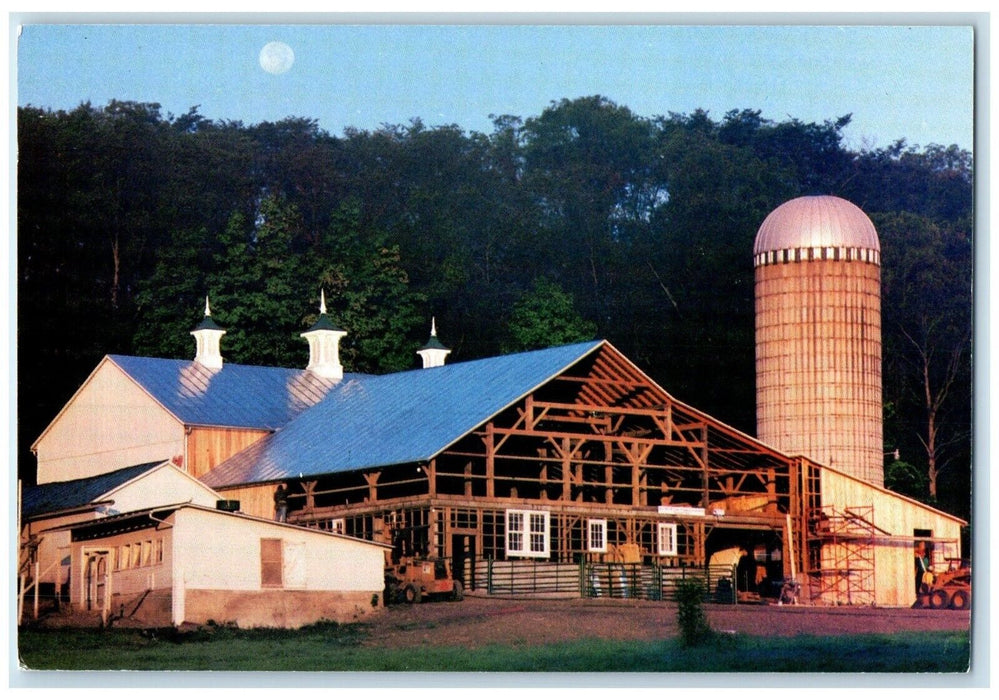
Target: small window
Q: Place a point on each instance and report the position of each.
(123, 557)
(667, 539)
(270, 563)
(136, 555)
(527, 533)
(596, 535)
(337, 525)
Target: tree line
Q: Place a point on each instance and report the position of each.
(586, 220)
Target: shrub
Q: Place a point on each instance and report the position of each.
(694, 627)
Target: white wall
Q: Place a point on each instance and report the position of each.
(164, 485)
(220, 551)
(109, 424)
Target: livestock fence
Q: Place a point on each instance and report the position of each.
(603, 580)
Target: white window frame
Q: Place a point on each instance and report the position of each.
(598, 543)
(528, 533)
(666, 542)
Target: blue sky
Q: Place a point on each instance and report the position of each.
(912, 82)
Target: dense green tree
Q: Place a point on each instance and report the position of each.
(545, 316)
(170, 302)
(587, 164)
(370, 297)
(927, 330)
(127, 218)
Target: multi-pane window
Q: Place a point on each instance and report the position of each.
(527, 533)
(596, 535)
(667, 539)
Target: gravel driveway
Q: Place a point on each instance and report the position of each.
(480, 620)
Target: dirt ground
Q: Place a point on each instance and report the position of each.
(479, 621)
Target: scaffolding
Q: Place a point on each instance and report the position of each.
(841, 555)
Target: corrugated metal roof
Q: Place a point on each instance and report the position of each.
(63, 495)
(237, 396)
(816, 222)
(368, 421)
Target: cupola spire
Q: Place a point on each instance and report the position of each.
(207, 335)
(324, 344)
(433, 353)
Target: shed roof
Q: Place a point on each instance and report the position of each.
(65, 495)
(237, 396)
(152, 517)
(368, 421)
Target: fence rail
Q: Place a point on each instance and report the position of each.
(603, 580)
(528, 576)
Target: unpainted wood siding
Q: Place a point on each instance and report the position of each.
(894, 571)
(209, 447)
(253, 500)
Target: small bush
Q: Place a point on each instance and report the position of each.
(693, 623)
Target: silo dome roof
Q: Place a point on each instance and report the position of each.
(816, 222)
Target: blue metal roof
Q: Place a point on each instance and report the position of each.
(64, 495)
(368, 421)
(236, 396)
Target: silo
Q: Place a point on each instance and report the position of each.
(818, 335)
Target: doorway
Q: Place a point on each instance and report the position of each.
(463, 559)
(96, 580)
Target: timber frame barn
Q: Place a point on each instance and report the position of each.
(593, 462)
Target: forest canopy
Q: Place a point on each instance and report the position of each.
(587, 218)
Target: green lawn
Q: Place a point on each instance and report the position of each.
(330, 647)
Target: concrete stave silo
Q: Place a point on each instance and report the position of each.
(818, 335)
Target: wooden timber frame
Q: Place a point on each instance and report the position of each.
(600, 441)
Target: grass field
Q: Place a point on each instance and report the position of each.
(331, 647)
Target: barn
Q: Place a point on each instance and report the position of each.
(566, 469)
(572, 456)
(157, 567)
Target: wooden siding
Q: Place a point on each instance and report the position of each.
(110, 423)
(209, 447)
(892, 544)
(257, 501)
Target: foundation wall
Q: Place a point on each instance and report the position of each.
(287, 609)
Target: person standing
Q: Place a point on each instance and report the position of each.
(281, 503)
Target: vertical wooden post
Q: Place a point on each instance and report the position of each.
(37, 565)
(431, 469)
(310, 497)
(372, 479)
(490, 461)
(706, 497)
(566, 467)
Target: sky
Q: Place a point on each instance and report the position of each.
(899, 82)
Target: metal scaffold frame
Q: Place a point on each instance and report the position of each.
(841, 555)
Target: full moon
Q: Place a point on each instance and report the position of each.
(276, 57)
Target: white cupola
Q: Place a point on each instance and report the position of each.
(207, 334)
(324, 344)
(433, 353)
